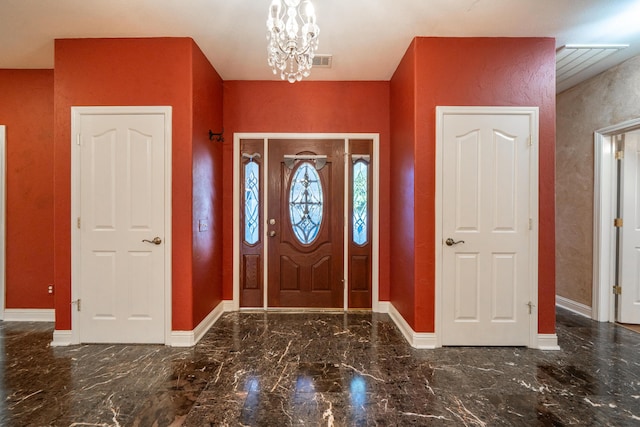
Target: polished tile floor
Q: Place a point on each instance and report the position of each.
(257, 369)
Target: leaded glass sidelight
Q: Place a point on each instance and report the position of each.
(360, 201)
(306, 203)
(251, 202)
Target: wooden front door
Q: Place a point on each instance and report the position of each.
(305, 223)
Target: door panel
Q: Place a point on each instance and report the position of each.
(121, 204)
(629, 299)
(305, 244)
(485, 188)
(251, 223)
(360, 219)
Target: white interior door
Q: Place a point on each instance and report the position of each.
(121, 286)
(486, 214)
(3, 198)
(629, 299)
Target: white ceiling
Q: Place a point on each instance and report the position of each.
(367, 38)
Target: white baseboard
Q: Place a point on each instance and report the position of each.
(573, 306)
(191, 338)
(228, 305)
(426, 340)
(62, 338)
(29, 315)
(548, 342)
(383, 307)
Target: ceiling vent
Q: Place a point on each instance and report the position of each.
(574, 58)
(322, 61)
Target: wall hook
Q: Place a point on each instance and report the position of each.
(218, 136)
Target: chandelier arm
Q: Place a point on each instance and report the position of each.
(287, 52)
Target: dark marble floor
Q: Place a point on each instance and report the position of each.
(258, 369)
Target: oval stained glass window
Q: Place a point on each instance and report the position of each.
(306, 203)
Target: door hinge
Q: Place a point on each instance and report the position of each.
(78, 223)
(619, 155)
(617, 222)
(77, 303)
(78, 139)
(530, 223)
(617, 290)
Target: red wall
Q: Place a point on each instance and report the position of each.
(473, 71)
(126, 72)
(26, 108)
(207, 187)
(306, 107)
(402, 174)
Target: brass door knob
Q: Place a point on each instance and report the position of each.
(155, 241)
(451, 242)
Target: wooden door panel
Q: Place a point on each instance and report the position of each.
(321, 275)
(252, 272)
(289, 274)
(305, 274)
(251, 223)
(360, 214)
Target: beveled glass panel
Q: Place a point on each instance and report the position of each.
(360, 202)
(306, 203)
(251, 203)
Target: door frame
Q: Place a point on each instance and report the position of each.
(375, 220)
(604, 204)
(3, 218)
(533, 113)
(76, 115)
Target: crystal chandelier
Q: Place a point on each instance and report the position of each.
(293, 38)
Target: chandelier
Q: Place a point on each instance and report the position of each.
(293, 38)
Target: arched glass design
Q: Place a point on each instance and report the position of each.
(306, 203)
(251, 202)
(360, 202)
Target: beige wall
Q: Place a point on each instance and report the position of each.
(607, 99)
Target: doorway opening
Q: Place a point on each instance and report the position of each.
(616, 288)
(305, 237)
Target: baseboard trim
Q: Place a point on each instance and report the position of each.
(29, 315)
(191, 338)
(422, 340)
(548, 342)
(573, 306)
(62, 338)
(227, 305)
(383, 307)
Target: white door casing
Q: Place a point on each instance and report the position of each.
(3, 198)
(629, 299)
(121, 178)
(486, 287)
(375, 220)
